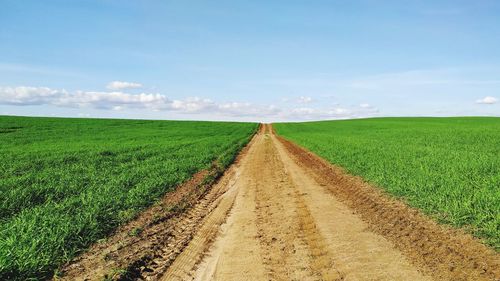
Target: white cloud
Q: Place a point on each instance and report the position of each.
(121, 85)
(29, 95)
(108, 100)
(121, 101)
(102, 100)
(194, 104)
(487, 100)
(365, 105)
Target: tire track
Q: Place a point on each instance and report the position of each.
(292, 246)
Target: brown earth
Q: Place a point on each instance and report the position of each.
(282, 213)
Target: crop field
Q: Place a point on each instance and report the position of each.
(447, 167)
(66, 183)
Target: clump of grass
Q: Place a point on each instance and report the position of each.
(67, 183)
(448, 167)
(136, 231)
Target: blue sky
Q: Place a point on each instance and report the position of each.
(249, 60)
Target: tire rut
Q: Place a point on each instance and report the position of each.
(292, 247)
(152, 266)
(200, 243)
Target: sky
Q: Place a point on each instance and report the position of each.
(250, 60)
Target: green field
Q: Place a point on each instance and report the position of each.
(447, 167)
(66, 183)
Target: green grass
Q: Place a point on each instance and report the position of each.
(66, 183)
(447, 167)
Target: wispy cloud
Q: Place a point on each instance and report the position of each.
(121, 85)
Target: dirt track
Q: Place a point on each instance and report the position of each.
(280, 213)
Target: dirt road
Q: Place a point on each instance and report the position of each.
(280, 213)
(285, 226)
